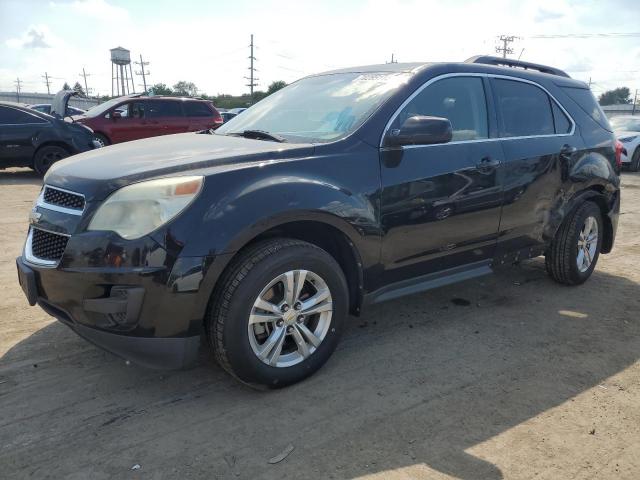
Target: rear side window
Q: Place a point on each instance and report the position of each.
(461, 100)
(562, 122)
(197, 109)
(162, 108)
(587, 102)
(523, 109)
(13, 116)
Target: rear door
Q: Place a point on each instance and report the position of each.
(440, 204)
(17, 132)
(200, 115)
(165, 117)
(539, 143)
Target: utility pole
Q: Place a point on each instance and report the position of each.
(506, 40)
(46, 80)
(85, 75)
(635, 100)
(18, 83)
(392, 59)
(142, 72)
(252, 79)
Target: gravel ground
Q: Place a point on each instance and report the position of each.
(508, 376)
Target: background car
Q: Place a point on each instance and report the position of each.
(46, 108)
(237, 111)
(134, 117)
(627, 130)
(29, 138)
(226, 116)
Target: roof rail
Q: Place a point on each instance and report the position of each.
(507, 62)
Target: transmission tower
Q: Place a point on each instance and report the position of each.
(252, 79)
(506, 40)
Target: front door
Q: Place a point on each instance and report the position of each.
(440, 204)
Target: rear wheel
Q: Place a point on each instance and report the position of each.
(101, 139)
(635, 161)
(574, 252)
(47, 156)
(278, 313)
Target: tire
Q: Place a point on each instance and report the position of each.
(47, 156)
(563, 259)
(237, 343)
(634, 166)
(104, 141)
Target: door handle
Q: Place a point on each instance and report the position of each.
(567, 151)
(487, 164)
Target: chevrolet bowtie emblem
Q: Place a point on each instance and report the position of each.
(34, 217)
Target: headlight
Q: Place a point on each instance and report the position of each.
(629, 139)
(138, 209)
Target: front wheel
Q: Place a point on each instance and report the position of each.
(47, 156)
(101, 139)
(635, 161)
(278, 313)
(574, 252)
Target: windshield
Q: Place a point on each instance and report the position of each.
(630, 124)
(318, 109)
(103, 107)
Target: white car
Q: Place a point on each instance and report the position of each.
(627, 130)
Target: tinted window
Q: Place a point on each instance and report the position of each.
(197, 109)
(162, 108)
(459, 99)
(563, 124)
(13, 116)
(585, 99)
(524, 109)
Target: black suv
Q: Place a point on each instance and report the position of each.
(339, 191)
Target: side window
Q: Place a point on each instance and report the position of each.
(13, 116)
(163, 108)
(459, 99)
(197, 109)
(563, 124)
(122, 109)
(137, 110)
(523, 109)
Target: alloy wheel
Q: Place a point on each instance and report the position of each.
(587, 244)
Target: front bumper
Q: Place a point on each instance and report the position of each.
(141, 314)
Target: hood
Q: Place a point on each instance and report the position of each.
(60, 102)
(99, 172)
(626, 133)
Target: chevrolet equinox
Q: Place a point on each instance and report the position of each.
(342, 190)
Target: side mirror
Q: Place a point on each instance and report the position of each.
(115, 114)
(420, 130)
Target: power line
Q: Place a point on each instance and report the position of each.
(252, 80)
(590, 35)
(506, 40)
(142, 72)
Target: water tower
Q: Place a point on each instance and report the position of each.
(120, 60)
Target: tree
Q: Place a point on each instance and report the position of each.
(160, 89)
(188, 89)
(615, 96)
(66, 86)
(78, 88)
(275, 86)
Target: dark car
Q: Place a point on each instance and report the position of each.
(337, 192)
(29, 138)
(226, 116)
(137, 116)
(46, 108)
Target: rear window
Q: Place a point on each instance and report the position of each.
(587, 102)
(197, 109)
(162, 108)
(563, 124)
(524, 109)
(13, 116)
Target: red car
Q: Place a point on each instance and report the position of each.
(134, 117)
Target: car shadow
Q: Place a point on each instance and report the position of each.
(417, 381)
(19, 176)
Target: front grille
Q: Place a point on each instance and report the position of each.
(47, 245)
(53, 196)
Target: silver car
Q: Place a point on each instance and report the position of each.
(627, 130)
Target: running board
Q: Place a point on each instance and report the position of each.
(428, 282)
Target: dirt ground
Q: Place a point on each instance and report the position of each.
(509, 376)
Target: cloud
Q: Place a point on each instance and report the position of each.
(98, 9)
(542, 15)
(34, 37)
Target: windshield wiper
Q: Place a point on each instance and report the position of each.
(260, 135)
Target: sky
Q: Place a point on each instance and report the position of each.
(207, 41)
